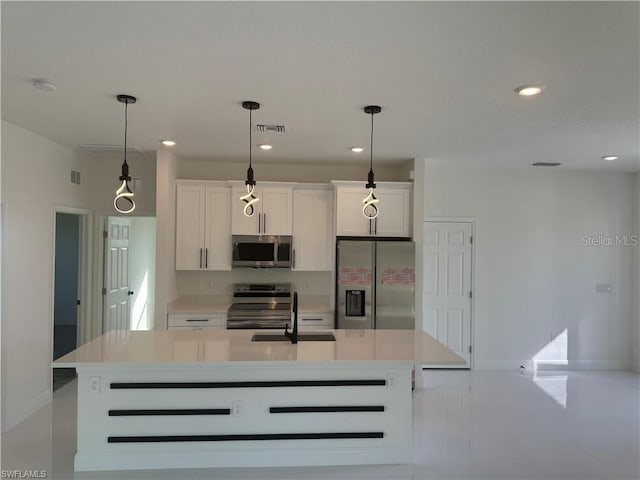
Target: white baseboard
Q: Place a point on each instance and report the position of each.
(250, 457)
(531, 365)
(29, 409)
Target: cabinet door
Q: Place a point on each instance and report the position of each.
(312, 230)
(190, 210)
(276, 210)
(217, 242)
(394, 219)
(350, 220)
(240, 223)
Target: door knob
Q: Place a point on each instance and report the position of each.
(130, 292)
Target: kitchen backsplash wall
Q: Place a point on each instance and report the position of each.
(221, 283)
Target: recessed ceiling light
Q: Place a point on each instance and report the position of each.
(44, 85)
(528, 90)
(168, 143)
(610, 158)
(357, 149)
(266, 147)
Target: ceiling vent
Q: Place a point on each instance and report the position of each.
(278, 129)
(96, 148)
(75, 177)
(545, 164)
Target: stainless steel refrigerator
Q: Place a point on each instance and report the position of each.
(375, 284)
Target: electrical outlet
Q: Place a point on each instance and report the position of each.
(391, 379)
(211, 284)
(94, 384)
(603, 287)
(237, 408)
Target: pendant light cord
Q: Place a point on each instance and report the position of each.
(250, 122)
(126, 116)
(371, 146)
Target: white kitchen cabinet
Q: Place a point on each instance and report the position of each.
(272, 213)
(312, 229)
(200, 321)
(203, 226)
(315, 321)
(394, 218)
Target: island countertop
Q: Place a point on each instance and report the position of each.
(206, 348)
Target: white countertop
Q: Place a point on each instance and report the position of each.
(211, 347)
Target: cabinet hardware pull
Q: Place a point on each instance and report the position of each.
(259, 223)
(197, 319)
(206, 258)
(294, 258)
(264, 223)
(200, 258)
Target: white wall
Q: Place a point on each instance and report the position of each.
(204, 170)
(635, 317)
(142, 271)
(36, 179)
(166, 288)
(534, 278)
(35, 176)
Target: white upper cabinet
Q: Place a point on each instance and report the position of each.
(394, 217)
(312, 229)
(272, 213)
(203, 226)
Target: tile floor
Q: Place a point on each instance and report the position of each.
(477, 425)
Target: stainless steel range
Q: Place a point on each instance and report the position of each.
(260, 306)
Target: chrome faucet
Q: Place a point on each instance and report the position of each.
(293, 335)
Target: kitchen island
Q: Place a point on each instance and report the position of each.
(180, 399)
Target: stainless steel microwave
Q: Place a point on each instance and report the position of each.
(261, 251)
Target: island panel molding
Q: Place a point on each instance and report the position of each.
(213, 398)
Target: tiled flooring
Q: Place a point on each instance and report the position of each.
(480, 425)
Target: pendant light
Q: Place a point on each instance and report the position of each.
(370, 207)
(123, 202)
(249, 199)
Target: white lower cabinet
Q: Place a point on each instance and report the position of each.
(186, 321)
(315, 321)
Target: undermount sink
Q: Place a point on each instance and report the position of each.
(302, 337)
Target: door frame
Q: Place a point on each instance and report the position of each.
(472, 306)
(84, 327)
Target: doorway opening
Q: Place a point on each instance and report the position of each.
(128, 291)
(69, 288)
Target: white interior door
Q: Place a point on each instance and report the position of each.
(447, 285)
(116, 290)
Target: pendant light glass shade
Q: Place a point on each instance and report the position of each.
(123, 201)
(370, 202)
(250, 199)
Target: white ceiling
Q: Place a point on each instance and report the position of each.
(444, 74)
